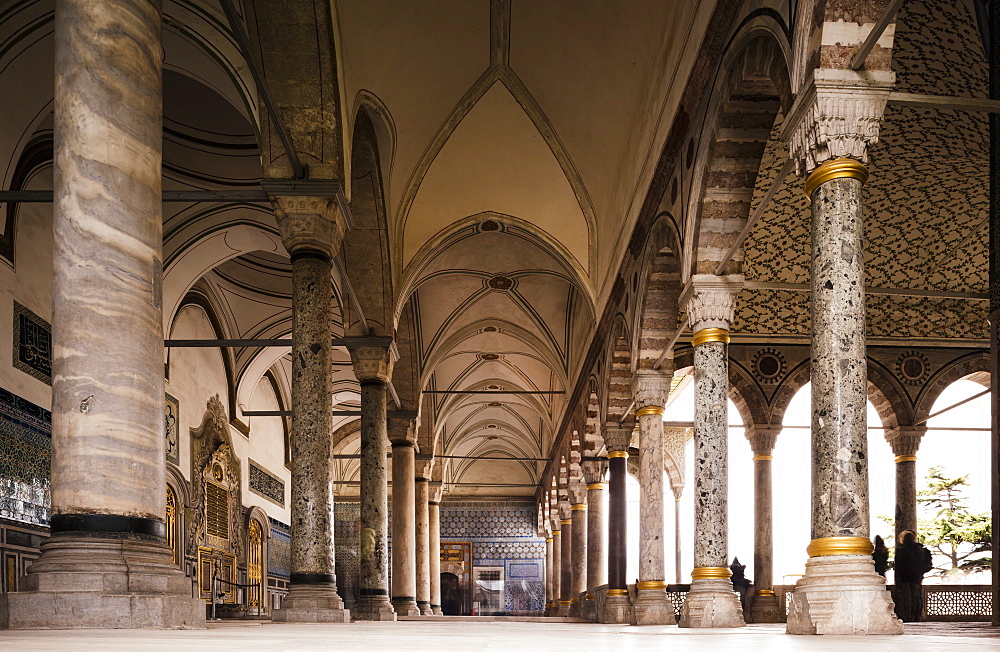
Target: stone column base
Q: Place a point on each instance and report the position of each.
(405, 606)
(436, 610)
(842, 594)
(311, 603)
(102, 583)
(563, 611)
(653, 607)
(574, 607)
(764, 608)
(425, 608)
(588, 608)
(617, 610)
(711, 603)
(374, 608)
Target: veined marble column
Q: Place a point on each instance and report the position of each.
(597, 561)
(652, 606)
(373, 359)
(711, 601)
(674, 442)
(434, 520)
(840, 592)
(422, 498)
(764, 607)
(578, 514)
(311, 228)
(404, 535)
(107, 564)
(617, 605)
(565, 561)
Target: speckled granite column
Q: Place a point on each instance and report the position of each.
(556, 568)
(840, 592)
(373, 367)
(106, 564)
(548, 575)
(421, 525)
(652, 606)
(905, 441)
(565, 562)
(404, 537)
(597, 561)
(617, 605)
(311, 228)
(578, 586)
(434, 525)
(764, 607)
(711, 601)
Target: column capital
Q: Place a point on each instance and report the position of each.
(424, 463)
(650, 389)
(311, 215)
(372, 357)
(905, 440)
(436, 488)
(709, 300)
(402, 431)
(837, 115)
(594, 471)
(762, 438)
(617, 438)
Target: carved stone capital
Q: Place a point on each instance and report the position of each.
(311, 216)
(905, 440)
(436, 489)
(424, 465)
(709, 300)
(617, 438)
(838, 114)
(372, 357)
(762, 438)
(402, 431)
(565, 511)
(594, 471)
(651, 388)
(577, 492)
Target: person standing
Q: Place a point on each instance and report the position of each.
(881, 556)
(913, 560)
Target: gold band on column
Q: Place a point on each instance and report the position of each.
(548, 539)
(651, 585)
(595, 486)
(617, 591)
(649, 409)
(827, 546)
(589, 596)
(838, 168)
(574, 600)
(614, 454)
(762, 458)
(578, 508)
(764, 592)
(556, 533)
(706, 335)
(711, 573)
(566, 521)
(565, 602)
(906, 458)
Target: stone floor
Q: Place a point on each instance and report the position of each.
(497, 635)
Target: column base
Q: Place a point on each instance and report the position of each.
(764, 608)
(617, 610)
(588, 608)
(842, 594)
(311, 603)
(436, 610)
(653, 607)
(425, 608)
(374, 608)
(574, 607)
(405, 606)
(711, 603)
(103, 583)
(563, 610)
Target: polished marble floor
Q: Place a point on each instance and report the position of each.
(499, 635)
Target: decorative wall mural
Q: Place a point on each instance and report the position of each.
(172, 417)
(25, 458)
(32, 344)
(266, 484)
(279, 550)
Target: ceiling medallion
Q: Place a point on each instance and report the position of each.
(494, 404)
(500, 283)
(913, 368)
(493, 387)
(490, 329)
(489, 357)
(489, 225)
(768, 366)
(492, 425)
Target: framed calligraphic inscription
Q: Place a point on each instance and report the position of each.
(172, 416)
(32, 344)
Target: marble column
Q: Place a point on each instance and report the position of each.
(674, 442)
(578, 514)
(434, 521)
(312, 228)
(905, 441)
(597, 561)
(764, 607)
(711, 601)
(678, 491)
(556, 566)
(404, 535)
(548, 574)
(373, 359)
(565, 561)
(652, 606)
(106, 564)
(840, 592)
(422, 529)
(617, 605)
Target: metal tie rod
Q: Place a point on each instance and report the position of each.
(455, 457)
(169, 196)
(489, 391)
(288, 413)
(224, 344)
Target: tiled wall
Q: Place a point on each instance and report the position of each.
(25, 458)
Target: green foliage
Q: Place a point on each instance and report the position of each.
(953, 532)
